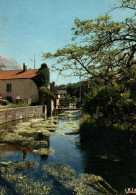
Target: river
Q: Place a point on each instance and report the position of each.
(66, 169)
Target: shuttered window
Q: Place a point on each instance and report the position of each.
(9, 87)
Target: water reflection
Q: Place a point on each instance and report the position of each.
(24, 155)
(104, 161)
(64, 145)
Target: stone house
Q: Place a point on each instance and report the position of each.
(18, 85)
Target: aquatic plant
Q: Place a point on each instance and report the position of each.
(13, 181)
(43, 151)
(80, 184)
(56, 178)
(33, 134)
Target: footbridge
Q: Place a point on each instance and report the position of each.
(59, 110)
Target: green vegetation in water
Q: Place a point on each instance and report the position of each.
(55, 178)
(74, 128)
(78, 183)
(43, 151)
(74, 131)
(68, 115)
(13, 181)
(33, 134)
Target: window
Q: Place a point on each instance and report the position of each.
(9, 86)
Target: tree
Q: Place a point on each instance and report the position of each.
(106, 52)
(42, 77)
(108, 47)
(73, 89)
(131, 4)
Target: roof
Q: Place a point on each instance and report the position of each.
(7, 63)
(18, 74)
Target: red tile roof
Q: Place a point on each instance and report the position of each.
(18, 74)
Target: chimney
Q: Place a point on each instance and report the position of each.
(24, 67)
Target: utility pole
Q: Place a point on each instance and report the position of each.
(34, 61)
(80, 93)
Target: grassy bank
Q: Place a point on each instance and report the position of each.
(9, 105)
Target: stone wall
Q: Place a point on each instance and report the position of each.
(11, 114)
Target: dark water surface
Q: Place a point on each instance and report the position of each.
(120, 174)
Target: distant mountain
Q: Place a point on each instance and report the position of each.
(7, 63)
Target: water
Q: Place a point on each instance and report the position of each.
(61, 172)
(65, 149)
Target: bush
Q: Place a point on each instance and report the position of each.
(45, 94)
(18, 105)
(87, 127)
(99, 138)
(43, 76)
(112, 105)
(4, 103)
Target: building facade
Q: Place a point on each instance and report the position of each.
(19, 85)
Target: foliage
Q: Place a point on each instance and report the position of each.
(105, 51)
(4, 103)
(114, 104)
(18, 105)
(102, 139)
(131, 4)
(43, 91)
(107, 47)
(42, 77)
(45, 94)
(73, 89)
(11, 105)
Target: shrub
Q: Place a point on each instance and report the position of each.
(44, 94)
(112, 105)
(4, 102)
(99, 138)
(43, 76)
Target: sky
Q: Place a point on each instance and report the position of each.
(30, 27)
